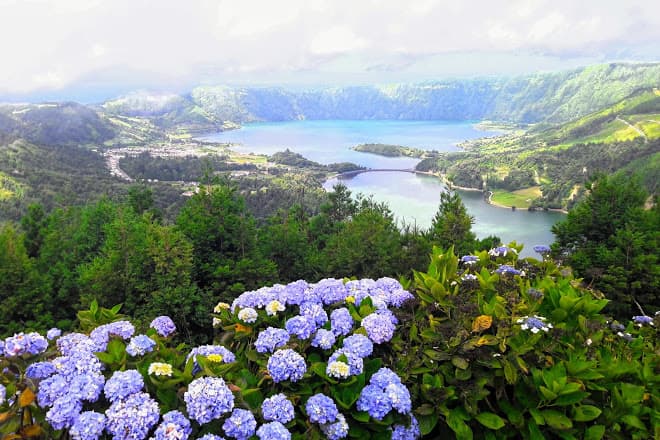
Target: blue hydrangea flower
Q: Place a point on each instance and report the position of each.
(278, 408)
(341, 322)
(40, 370)
(642, 320)
(270, 339)
(329, 291)
(75, 343)
(64, 412)
(87, 387)
(140, 345)
(399, 297)
(336, 430)
(208, 398)
(207, 350)
(323, 339)
(174, 426)
(294, 293)
(534, 323)
(321, 409)
(163, 325)
(301, 327)
(505, 269)
(411, 432)
(359, 344)
(384, 377)
(53, 333)
(50, 389)
(133, 417)
(374, 401)
(240, 425)
(379, 327)
(88, 426)
(101, 335)
(22, 343)
(468, 277)
(469, 259)
(286, 364)
(273, 431)
(353, 360)
(314, 312)
(389, 284)
(399, 397)
(211, 437)
(3, 394)
(542, 249)
(123, 384)
(502, 251)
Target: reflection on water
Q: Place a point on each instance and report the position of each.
(414, 199)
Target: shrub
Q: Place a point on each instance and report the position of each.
(503, 348)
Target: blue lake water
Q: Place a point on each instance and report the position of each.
(413, 198)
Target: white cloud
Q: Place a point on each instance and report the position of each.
(54, 43)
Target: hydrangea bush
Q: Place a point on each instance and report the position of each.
(503, 347)
(491, 346)
(290, 362)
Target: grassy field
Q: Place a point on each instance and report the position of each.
(521, 198)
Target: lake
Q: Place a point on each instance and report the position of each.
(412, 197)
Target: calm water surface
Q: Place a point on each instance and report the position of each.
(413, 198)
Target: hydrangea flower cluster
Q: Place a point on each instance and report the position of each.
(542, 249)
(270, 339)
(534, 323)
(101, 335)
(505, 269)
(502, 251)
(273, 431)
(469, 259)
(208, 398)
(321, 409)
(164, 326)
(174, 426)
(133, 417)
(22, 343)
(277, 408)
(384, 393)
(286, 364)
(642, 320)
(240, 425)
(140, 345)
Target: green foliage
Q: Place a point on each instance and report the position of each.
(610, 240)
(475, 372)
(452, 225)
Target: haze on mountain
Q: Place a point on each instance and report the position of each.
(90, 50)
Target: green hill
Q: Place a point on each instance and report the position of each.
(547, 166)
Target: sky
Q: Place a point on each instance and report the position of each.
(105, 47)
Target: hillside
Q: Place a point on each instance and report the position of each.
(550, 97)
(546, 167)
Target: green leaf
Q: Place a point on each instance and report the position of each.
(595, 432)
(534, 431)
(570, 399)
(586, 413)
(460, 362)
(361, 416)
(456, 423)
(427, 422)
(510, 373)
(633, 421)
(556, 420)
(490, 420)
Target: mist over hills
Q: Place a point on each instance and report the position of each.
(550, 97)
